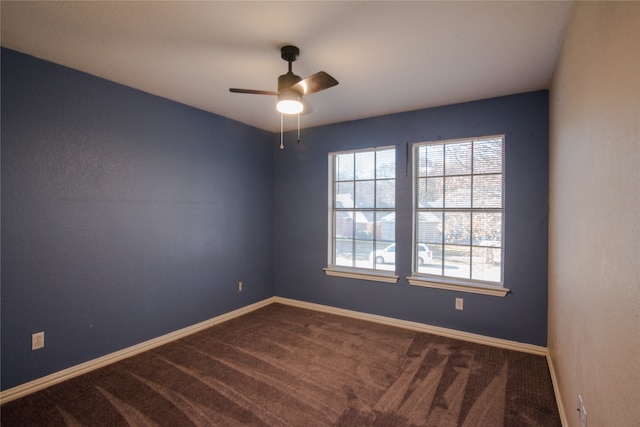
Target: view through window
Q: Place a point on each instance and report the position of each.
(459, 210)
(362, 220)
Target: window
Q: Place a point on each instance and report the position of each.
(459, 215)
(362, 193)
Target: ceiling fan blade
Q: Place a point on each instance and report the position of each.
(253, 91)
(314, 83)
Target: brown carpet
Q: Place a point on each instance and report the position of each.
(286, 366)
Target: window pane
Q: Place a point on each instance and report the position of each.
(486, 264)
(368, 262)
(487, 229)
(420, 160)
(343, 222)
(386, 164)
(344, 195)
(364, 225)
(424, 255)
(429, 227)
(421, 193)
(457, 227)
(343, 252)
(434, 160)
(386, 193)
(458, 158)
(457, 261)
(487, 191)
(364, 248)
(384, 257)
(365, 194)
(365, 165)
(431, 192)
(385, 228)
(435, 267)
(487, 156)
(457, 192)
(344, 167)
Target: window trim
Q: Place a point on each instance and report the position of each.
(453, 283)
(361, 273)
(459, 285)
(376, 275)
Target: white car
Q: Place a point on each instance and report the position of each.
(388, 255)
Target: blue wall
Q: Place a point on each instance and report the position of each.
(301, 217)
(124, 216)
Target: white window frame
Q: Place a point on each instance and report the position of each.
(446, 282)
(373, 274)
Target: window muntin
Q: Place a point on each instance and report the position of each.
(459, 210)
(362, 208)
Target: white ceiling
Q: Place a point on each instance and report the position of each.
(388, 56)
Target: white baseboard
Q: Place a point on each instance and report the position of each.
(74, 371)
(556, 390)
(420, 327)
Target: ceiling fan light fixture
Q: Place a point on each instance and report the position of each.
(289, 102)
(291, 88)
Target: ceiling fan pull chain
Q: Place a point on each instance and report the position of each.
(281, 137)
(298, 128)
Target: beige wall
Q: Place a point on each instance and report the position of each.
(594, 233)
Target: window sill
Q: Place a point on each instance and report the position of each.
(475, 288)
(360, 273)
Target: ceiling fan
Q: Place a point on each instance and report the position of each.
(291, 88)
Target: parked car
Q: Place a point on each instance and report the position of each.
(388, 255)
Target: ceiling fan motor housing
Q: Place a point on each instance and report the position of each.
(290, 54)
(287, 80)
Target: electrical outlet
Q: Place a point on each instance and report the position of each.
(459, 304)
(239, 286)
(37, 340)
